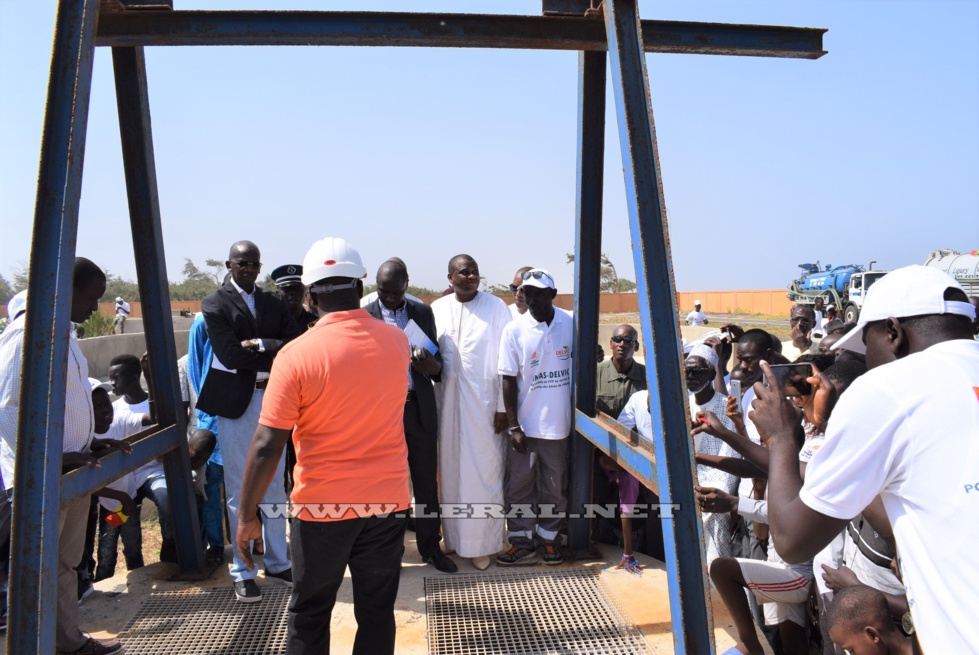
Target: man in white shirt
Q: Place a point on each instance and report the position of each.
(907, 430)
(469, 324)
(122, 312)
(535, 364)
(696, 317)
(78, 445)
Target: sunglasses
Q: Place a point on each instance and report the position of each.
(697, 371)
(629, 340)
(514, 287)
(537, 275)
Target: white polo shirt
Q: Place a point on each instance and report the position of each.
(539, 356)
(909, 431)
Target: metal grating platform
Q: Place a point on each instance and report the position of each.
(560, 611)
(208, 621)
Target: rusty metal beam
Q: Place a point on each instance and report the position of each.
(446, 30)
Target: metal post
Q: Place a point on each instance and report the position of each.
(689, 594)
(37, 493)
(132, 99)
(587, 263)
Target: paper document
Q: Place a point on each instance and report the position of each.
(217, 365)
(417, 337)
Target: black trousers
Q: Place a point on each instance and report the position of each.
(321, 552)
(423, 461)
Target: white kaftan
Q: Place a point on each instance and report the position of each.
(471, 454)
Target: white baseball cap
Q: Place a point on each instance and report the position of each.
(17, 304)
(97, 384)
(119, 299)
(332, 257)
(538, 277)
(909, 291)
(696, 302)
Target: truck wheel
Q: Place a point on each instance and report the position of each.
(851, 313)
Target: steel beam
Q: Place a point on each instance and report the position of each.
(147, 445)
(637, 456)
(34, 545)
(132, 100)
(446, 30)
(689, 593)
(587, 264)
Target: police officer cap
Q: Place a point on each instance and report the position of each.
(287, 275)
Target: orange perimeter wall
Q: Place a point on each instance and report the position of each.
(755, 301)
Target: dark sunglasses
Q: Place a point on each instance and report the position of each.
(537, 275)
(697, 371)
(514, 287)
(629, 340)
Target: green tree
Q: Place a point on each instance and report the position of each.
(19, 280)
(6, 291)
(626, 286)
(609, 281)
(218, 269)
(116, 286)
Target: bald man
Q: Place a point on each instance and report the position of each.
(246, 327)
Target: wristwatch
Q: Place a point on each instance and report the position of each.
(907, 625)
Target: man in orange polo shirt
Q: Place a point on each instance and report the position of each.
(342, 386)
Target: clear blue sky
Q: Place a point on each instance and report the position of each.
(871, 152)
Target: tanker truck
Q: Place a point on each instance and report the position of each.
(964, 267)
(842, 286)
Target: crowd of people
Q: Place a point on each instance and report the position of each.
(364, 415)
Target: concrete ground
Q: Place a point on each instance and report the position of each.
(645, 599)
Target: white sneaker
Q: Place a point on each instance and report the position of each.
(481, 563)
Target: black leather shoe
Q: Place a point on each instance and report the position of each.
(441, 561)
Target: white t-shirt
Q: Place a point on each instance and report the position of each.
(909, 431)
(635, 414)
(539, 356)
(514, 312)
(696, 318)
(121, 405)
(122, 308)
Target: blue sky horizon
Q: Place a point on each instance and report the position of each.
(869, 153)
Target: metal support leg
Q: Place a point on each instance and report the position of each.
(37, 492)
(689, 595)
(132, 100)
(588, 256)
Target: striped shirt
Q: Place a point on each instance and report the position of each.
(79, 417)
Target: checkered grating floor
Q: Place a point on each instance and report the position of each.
(561, 611)
(211, 621)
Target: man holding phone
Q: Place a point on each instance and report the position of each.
(913, 444)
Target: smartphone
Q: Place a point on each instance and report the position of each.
(791, 379)
(734, 389)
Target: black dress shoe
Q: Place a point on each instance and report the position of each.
(441, 561)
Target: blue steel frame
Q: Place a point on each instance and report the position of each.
(79, 28)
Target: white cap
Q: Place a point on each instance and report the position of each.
(17, 304)
(706, 352)
(909, 291)
(538, 277)
(696, 302)
(96, 384)
(332, 257)
(119, 299)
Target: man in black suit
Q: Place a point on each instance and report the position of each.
(420, 417)
(246, 327)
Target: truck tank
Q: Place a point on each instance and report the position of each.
(837, 278)
(962, 266)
